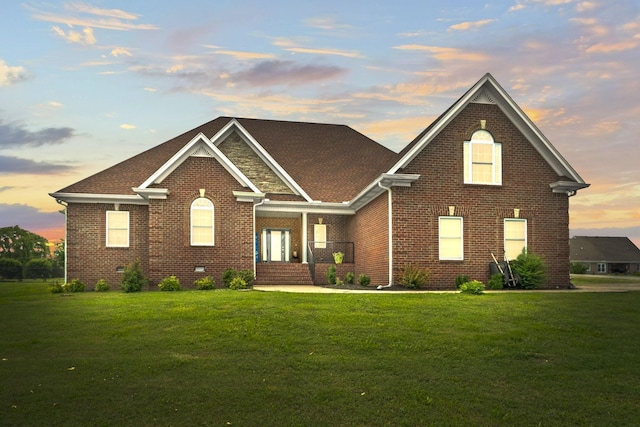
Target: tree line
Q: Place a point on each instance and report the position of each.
(27, 255)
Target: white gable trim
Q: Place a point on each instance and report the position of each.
(262, 153)
(487, 90)
(199, 146)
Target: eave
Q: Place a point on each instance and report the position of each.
(100, 198)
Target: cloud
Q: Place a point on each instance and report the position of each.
(516, 7)
(471, 24)
(445, 53)
(11, 75)
(85, 37)
(586, 5)
(294, 47)
(120, 51)
(244, 55)
(30, 218)
(15, 135)
(127, 126)
(268, 73)
(612, 47)
(328, 24)
(82, 15)
(10, 165)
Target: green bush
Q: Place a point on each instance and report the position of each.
(496, 281)
(231, 273)
(238, 283)
(102, 286)
(170, 283)
(75, 285)
(331, 275)
(460, 279)
(133, 279)
(473, 287)
(531, 269)
(349, 277)
(10, 268)
(577, 268)
(414, 277)
(363, 280)
(205, 283)
(56, 287)
(38, 268)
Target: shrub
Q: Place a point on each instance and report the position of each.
(204, 283)
(237, 283)
(102, 286)
(170, 283)
(531, 269)
(414, 277)
(496, 281)
(339, 282)
(460, 279)
(231, 273)
(363, 280)
(74, 285)
(38, 268)
(331, 275)
(10, 268)
(349, 277)
(56, 287)
(133, 279)
(473, 287)
(577, 268)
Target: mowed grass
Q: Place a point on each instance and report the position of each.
(218, 358)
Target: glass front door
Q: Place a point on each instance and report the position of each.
(276, 244)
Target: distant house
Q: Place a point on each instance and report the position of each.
(281, 197)
(604, 255)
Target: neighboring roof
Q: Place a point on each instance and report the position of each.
(331, 163)
(488, 91)
(603, 249)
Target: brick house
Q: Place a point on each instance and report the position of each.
(280, 197)
(604, 255)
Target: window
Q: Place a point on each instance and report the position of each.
(320, 235)
(202, 222)
(450, 244)
(117, 229)
(602, 267)
(515, 237)
(482, 159)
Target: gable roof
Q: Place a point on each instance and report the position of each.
(324, 162)
(488, 91)
(604, 249)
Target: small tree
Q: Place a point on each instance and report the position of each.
(133, 279)
(331, 275)
(577, 268)
(414, 277)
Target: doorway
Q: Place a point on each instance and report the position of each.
(276, 244)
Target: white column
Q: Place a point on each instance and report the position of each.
(304, 238)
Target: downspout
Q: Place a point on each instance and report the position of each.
(255, 205)
(390, 226)
(66, 242)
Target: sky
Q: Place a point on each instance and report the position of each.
(87, 84)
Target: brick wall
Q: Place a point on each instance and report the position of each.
(526, 178)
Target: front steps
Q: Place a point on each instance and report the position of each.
(282, 273)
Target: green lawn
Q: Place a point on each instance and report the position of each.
(217, 358)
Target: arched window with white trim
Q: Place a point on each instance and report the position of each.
(482, 159)
(202, 222)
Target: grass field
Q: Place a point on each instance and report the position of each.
(217, 358)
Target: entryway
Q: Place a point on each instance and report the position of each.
(276, 245)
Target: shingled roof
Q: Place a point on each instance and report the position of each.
(332, 163)
(604, 249)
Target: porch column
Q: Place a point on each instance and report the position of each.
(304, 238)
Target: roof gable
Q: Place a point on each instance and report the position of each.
(488, 91)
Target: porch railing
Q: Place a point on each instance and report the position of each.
(322, 252)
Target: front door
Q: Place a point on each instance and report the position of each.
(276, 244)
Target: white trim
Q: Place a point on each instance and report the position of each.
(124, 199)
(504, 235)
(210, 208)
(108, 228)
(440, 257)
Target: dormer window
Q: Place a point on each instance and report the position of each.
(482, 159)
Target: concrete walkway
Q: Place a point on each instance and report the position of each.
(614, 287)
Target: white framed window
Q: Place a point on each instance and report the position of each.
(450, 238)
(202, 222)
(320, 235)
(117, 229)
(602, 267)
(515, 237)
(482, 159)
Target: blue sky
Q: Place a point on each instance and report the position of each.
(84, 85)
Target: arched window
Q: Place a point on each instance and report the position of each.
(202, 221)
(482, 159)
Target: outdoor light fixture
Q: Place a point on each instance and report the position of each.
(202, 192)
(483, 124)
(452, 210)
(516, 213)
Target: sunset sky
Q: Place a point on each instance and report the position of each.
(85, 85)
